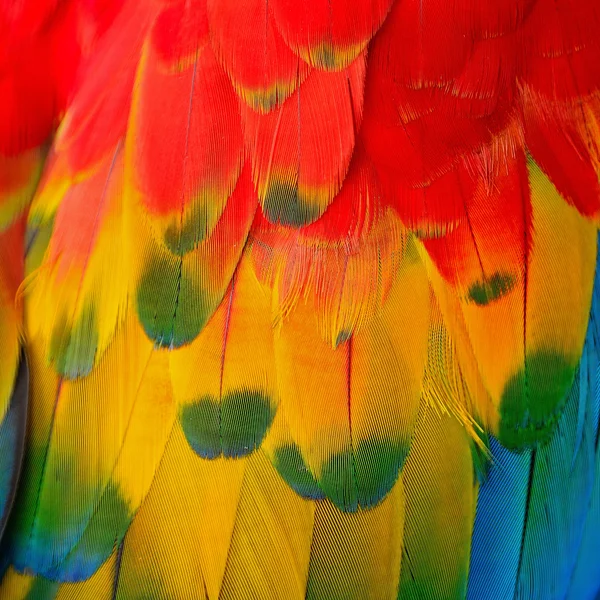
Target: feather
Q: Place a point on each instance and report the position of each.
(263, 70)
(441, 493)
(226, 403)
(270, 516)
(79, 294)
(301, 150)
(583, 583)
(426, 47)
(176, 295)
(179, 33)
(178, 545)
(66, 525)
(562, 137)
(551, 488)
(498, 529)
(532, 501)
(338, 401)
(345, 263)
(325, 34)
(493, 19)
(183, 184)
(357, 555)
(561, 48)
(559, 97)
(38, 61)
(518, 263)
(434, 98)
(96, 118)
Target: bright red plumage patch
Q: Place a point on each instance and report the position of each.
(198, 149)
(37, 69)
(492, 234)
(180, 32)
(301, 150)
(562, 47)
(97, 118)
(329, 34)
(490, 19)
(561, 136)
(262, 68)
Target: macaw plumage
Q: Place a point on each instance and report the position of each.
(299, 300)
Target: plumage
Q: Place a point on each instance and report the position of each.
(76, 268)
(299, 300)
(346, 421)
(301, 150)
(12, 441)
(552, 488)
(98, 503)
(326, 34)
(514, 368)
(440, 490)
(263, 70)
(227, 408)
(205, 154)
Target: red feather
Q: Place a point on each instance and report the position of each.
(262, 68)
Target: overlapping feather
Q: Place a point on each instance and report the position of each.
(307, 303)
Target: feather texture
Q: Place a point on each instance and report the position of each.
(340, 418)
(550, 502)
(226, 407)
(12, 441)
(304, 293)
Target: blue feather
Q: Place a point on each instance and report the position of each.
(537, 526)
(498, 529)
(585, 581)
(532, 510)
(12, 442)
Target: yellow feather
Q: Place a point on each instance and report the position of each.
(179, 541)
(351, 410)
(271, 541)
(440, 509)
(225, 379)
(357, 555)
(16, 586)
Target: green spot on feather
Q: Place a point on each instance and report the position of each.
(291, 466)
(73, 349)
(232, 429)
(283, 204)
(200, 423)
(171, 307)
(184, 239)
(42, 589)
(37, 240)
(532, 405)
(363, 479)
(342, 337)
(324, 56)
(490, 289)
